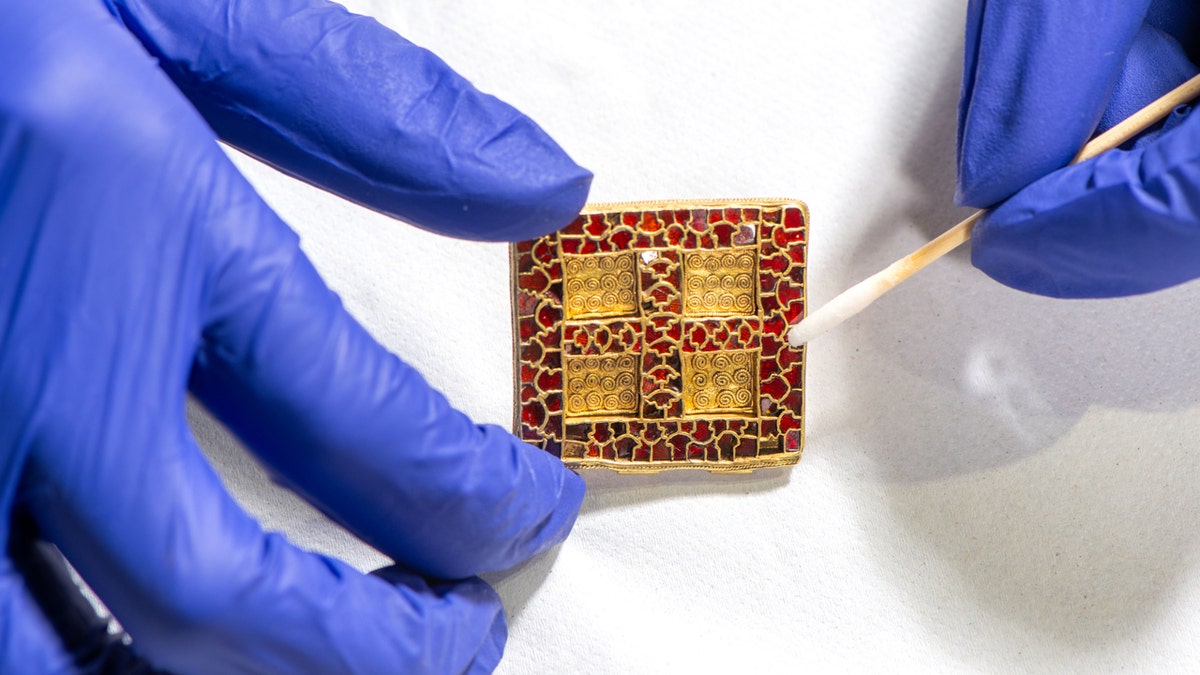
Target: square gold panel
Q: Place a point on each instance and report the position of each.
(599, 285)
(601, 385)
(720, 382)
(653, 336)
(719, 283)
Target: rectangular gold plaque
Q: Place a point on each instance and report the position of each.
(652, 336)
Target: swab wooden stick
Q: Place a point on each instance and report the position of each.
(858, 297)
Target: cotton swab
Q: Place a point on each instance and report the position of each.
(858, 297)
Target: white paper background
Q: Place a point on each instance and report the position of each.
(992, 481)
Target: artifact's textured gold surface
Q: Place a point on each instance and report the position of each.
(599, 285)
(719, 283)
(652, 336)
(719, 382)
(599, 385)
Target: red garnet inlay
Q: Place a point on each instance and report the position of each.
(576, 226)
(792, 219)
(775, 387)
(775, 263)
(792, 441)
(596, 226)
(550, 380)
(533, 415)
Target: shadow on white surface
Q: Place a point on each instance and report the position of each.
(1040, 453)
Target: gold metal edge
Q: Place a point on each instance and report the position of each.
(513, 293)
(736, 466)
(648, 204)
(804, 347)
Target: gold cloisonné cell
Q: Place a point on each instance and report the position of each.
(719, 382)
(719, 283)
(599, 285)
(601, 385)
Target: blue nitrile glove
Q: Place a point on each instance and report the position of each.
(137, 264)
(1039, 79)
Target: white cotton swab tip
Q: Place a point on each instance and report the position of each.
(854, 300)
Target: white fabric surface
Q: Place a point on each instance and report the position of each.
(992, 481)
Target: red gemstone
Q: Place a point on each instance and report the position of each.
(528, 329)
(548, 316)
(775, 263)
(533, 414)
(531, 352)
(784, 237)
(544, 250)
(630, 219)
(769, 304)
(620, 240)
(766, 283)
(793, 219)
(792, 441)
(674, 235)
(569, 245)
(792, 375)
(793, 312)
(528, 373)
(596, 225)
(550, 380)
(576, 226)
(775, 387)
(723, 234)
(786, 292)
(600, 432)
(774, 326)
(526, 303)
(535, 281)
(747, 447)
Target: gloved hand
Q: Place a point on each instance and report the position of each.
(1039, 79)
(137, 264)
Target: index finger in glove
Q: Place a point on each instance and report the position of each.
(344, 103)
(1037, 77)
(1123, 223)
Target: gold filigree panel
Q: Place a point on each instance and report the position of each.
(719, 283)
(720, 382)
(599, 285)
(601, 385)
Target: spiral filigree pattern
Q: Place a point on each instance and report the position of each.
(719, 283)
(599, 285)
(601, 385)
(719, 382)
